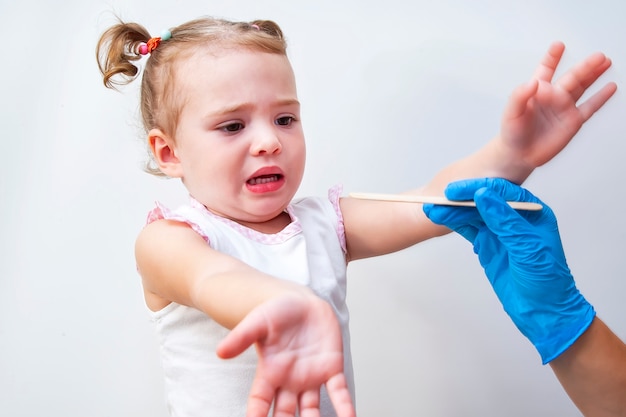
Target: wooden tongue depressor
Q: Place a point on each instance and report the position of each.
(412, 198)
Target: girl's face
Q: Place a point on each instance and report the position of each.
(239, 145)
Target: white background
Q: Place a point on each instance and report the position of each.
(392, 91)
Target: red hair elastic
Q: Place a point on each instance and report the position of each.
(153, 43)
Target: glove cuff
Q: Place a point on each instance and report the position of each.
(565, 337)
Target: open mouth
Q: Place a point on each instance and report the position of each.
(264, 179)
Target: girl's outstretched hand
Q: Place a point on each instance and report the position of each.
(542, 117)
(300, 348)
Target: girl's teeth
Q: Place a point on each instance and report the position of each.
(263, 180)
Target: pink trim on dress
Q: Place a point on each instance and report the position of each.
(287, 233)
(161, 212)
(334, 194)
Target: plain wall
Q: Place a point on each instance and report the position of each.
(392, 91)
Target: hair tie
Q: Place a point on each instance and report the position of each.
(255, 27)
(153, 43)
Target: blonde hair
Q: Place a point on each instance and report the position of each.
(117, 54)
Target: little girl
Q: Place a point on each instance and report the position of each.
(221, 112)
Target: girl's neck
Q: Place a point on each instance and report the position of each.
(270, 227)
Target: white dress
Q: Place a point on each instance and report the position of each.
(309, 251)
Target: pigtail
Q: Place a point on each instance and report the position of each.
(116, 51)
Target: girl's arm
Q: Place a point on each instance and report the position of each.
(177, 265)
(296, 333)
(539, 120)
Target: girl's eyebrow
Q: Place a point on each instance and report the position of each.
(247, 106)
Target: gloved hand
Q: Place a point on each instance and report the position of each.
(523, 258)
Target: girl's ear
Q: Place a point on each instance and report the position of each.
(164, 152)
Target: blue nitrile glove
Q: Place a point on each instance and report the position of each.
(523, 258)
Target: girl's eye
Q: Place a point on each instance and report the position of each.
(232, 127)
(284, 121)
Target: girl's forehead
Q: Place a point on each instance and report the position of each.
(235, 76)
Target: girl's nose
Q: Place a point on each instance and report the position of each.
(265, 143)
